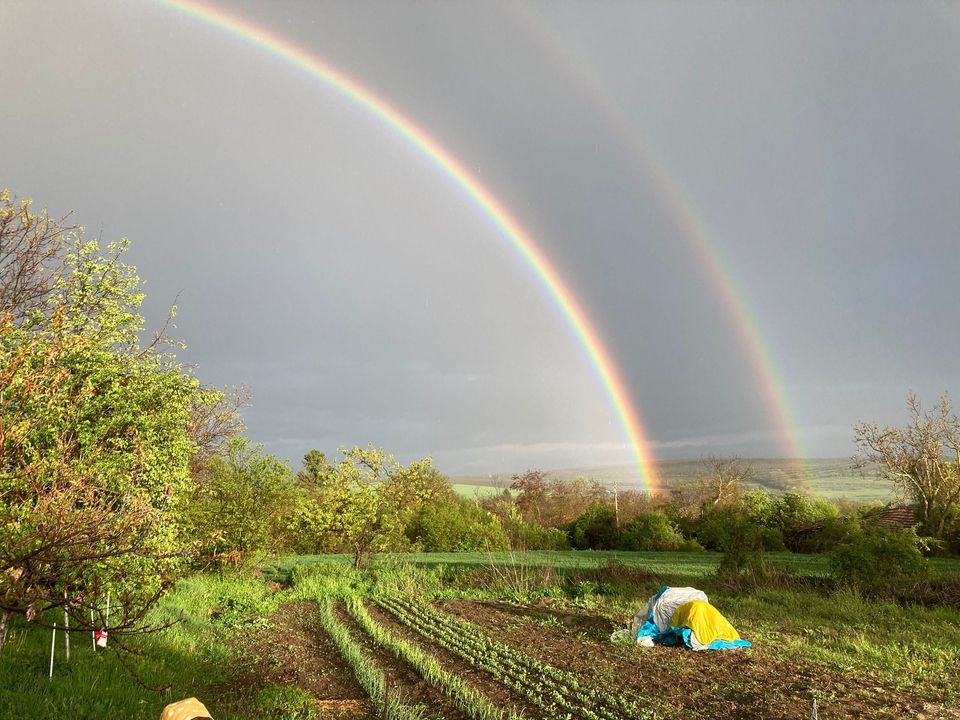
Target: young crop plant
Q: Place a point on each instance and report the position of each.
(370, 677)
(472, 702)
(558, 693)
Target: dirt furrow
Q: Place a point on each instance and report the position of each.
(400, 677)
(481, 680)
(296, 651)
(754, 683)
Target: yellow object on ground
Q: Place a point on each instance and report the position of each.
(188, 709)
(705, 620)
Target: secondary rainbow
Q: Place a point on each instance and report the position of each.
(692, 225)
(586, 334)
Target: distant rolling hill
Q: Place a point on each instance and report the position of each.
(832, 478)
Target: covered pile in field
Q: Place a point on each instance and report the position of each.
(189, 709)
(685, 615)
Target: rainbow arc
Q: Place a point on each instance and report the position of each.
(531, 253)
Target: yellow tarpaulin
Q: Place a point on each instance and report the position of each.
(706, 622)
(188, 709)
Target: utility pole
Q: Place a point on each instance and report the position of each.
(616, 504)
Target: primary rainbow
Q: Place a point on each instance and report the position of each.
(587, 335)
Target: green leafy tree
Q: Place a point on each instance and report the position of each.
(730, 529)
(880, 561)
(802, 519)
(922, 460)
(654, 531)
(532, 488)
(760, 507)
(241, 506)
(313, 520)
(94, 442)
(368, 498)
(456, 526)
(596, 529)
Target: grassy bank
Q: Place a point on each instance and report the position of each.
(188, 658)
(685, 564)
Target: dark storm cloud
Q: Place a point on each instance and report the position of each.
(324, 262)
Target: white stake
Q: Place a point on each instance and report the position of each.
(53, 645)
(66, 626)
(93, 632)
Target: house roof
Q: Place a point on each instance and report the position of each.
(893, 516)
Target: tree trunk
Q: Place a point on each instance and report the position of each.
(357, 558)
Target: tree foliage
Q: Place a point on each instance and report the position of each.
(456, 525)
(654, 531)
(922, 460)
(94, 448)
(719, 483)
(32, 248)
(880, 561)
(241, 506)
(595, 530)
(366, 500)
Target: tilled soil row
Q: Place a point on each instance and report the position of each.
(402, 679)
(476, 678)
(296, 651)
(558, 690)
(713, 685)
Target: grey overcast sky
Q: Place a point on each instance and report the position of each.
(326, 263)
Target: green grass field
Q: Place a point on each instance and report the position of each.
(241, 645)
(471, 491)
(680, 564)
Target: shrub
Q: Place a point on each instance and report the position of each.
(801, 518)
(530, 536)
(952, 545)
(587, 589)
(830, 533)
(458, 526)
(596, 529)
(880, 561)
(759, 506)
(652, 531)
(731, 529)
(743, 542)
(239, 505)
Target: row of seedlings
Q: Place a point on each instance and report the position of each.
(370, 677)
(468, 699)
(558, 693)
